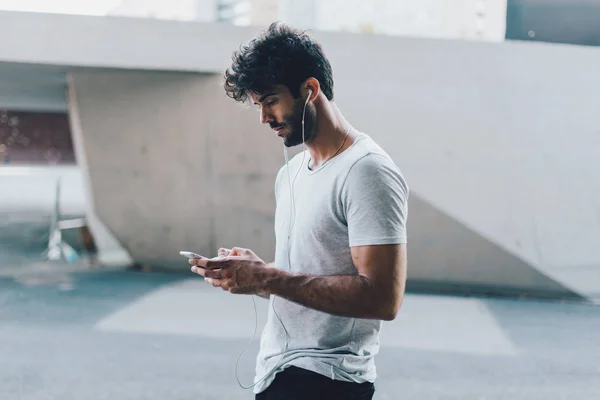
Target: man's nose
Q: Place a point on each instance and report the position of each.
(265, 118)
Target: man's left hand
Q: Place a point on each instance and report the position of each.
(240, 271)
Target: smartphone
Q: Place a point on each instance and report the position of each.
(189, 254)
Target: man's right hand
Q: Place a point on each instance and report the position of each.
(241, 252)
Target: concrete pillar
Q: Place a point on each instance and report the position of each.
(175, 165)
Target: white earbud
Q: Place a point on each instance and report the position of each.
(304, 111)
(308, 97)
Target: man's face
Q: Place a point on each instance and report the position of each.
(283, 113)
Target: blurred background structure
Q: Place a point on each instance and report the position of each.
(497, 133)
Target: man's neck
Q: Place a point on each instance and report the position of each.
(333, 135)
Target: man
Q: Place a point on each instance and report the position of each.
(340, 224)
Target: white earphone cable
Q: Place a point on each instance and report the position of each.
(292, 221)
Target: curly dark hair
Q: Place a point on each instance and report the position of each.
(281, 55)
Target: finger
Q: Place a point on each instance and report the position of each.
(213, 282)
(227, 284)
(215, 264)
(207, 273)
(199, 271)
(213, 274)
(224, 252)
(209, 263)
(200, 262)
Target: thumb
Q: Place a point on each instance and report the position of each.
(239, 251)
(223, 252)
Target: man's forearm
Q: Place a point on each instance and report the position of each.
(344, 295)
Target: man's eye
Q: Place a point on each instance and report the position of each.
(271, 103)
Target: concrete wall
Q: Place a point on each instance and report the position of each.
(499, 143)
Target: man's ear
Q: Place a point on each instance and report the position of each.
(310, 89)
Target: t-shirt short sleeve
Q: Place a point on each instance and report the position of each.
(374, 199)
(278, 182)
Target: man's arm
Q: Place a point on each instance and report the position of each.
(375, 293)
(374, 200)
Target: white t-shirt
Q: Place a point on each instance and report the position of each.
(357, 198)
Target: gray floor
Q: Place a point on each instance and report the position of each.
(72, 333)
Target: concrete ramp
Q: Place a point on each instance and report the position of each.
(447, 256)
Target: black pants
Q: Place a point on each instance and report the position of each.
(299, 384)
